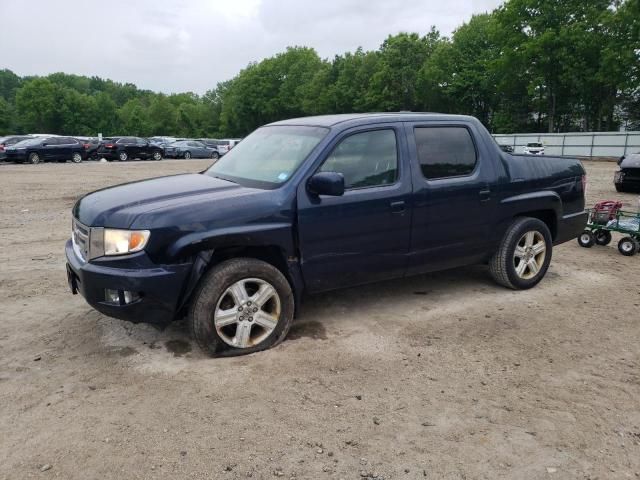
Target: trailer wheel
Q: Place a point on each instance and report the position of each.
(602, 237)
(628, 246)
(586, 239)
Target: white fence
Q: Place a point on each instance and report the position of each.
(592, 144)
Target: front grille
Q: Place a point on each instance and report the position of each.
(80, 237)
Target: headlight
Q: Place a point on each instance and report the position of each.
(121, 242)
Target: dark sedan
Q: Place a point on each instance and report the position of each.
(9, 141)
(190, 149)
(46, 149)
(126, 148)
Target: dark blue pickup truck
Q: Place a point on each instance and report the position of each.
(314, 204)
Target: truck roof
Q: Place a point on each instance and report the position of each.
(361, 118)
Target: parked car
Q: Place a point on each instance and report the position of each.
(46, 149)
(213, 144)
(91, 146)
(627, 178)
(534, 148)
(8, 141)
(126, 148)
(163, 141)
(314, 204)
(227, 144)
(506, 148)
(190, 149)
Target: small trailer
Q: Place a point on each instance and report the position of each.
(606, 217)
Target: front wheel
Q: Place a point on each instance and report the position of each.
(157, 156)
(34, 158)
(187, 155)
(215, 155)
(76, 158)
(524, 254)
(586, 239)
(628, 246)
(242, 306)
(123, 156)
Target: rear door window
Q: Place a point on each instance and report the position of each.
(445, 152)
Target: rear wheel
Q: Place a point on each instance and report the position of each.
(628, 246)
(76, 158)
(241, 306)
(123, 156)
(602, 237)
(187, 155)
(34, 158)
(157, 155)
(524, 255)
(586, 239)
(215, 155)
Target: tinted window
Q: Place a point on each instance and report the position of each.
(445, 151)
(365, 159)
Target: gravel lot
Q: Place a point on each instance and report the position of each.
(439, 376)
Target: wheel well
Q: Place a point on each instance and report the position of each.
(547, 216)
(270, 254)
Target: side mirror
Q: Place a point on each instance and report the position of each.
(326, 183)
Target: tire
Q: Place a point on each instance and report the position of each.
(123, 156)
(620, 188)
(217, 336)
(628, 246)
(215, 155)
(586, 239)
(524, 254)
(187, 155)
(76, 158)
(602, 237)
(34, 158)
(157, 155)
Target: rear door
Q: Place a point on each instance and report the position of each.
(65, 146)
(50, 149)
(454, 182)
(363, 235)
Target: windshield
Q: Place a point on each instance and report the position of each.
(269, 156)
(30, 141)
(537, 145)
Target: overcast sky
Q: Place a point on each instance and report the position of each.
(190, 45)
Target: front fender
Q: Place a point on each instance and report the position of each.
(254, 235)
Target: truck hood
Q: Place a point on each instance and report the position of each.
(159, 200)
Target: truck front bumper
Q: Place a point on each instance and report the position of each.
(154, 291)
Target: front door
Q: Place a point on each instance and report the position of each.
(363, 235)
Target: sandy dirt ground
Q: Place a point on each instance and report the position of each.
(445, 376)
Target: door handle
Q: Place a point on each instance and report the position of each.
(485, 195)
(397, 207)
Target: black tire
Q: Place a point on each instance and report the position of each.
(586, 239)
(157, 155)
(123, 156)
(211, 290)
(502, 265)
(628, 246)
(34, 158)
(602, 237)
(620, 188)
(76, 158)
(215, 155)
(187, 155)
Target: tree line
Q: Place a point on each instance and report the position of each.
(528, 66)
